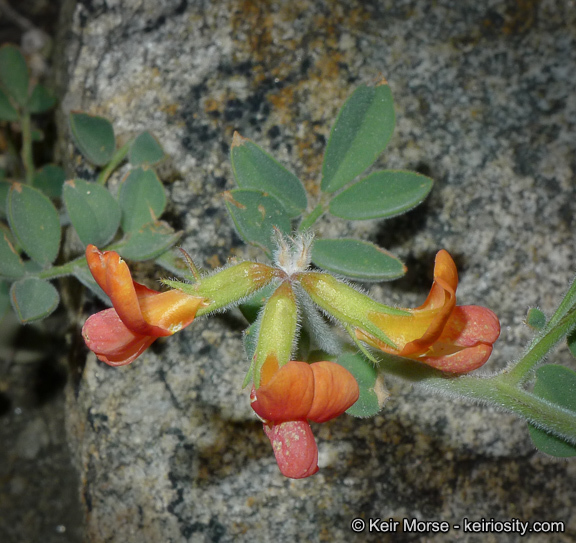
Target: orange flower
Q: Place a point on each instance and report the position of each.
(438, 333)
(290, 396)
(140, 315)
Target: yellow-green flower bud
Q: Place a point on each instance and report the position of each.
(227, 286)
(278, 324)
(345, 303)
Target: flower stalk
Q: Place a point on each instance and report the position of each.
(497, 390)
(27, 157)
(522, 370)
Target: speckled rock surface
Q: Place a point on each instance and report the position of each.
(167, 448)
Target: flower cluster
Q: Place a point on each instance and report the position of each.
(288, 394)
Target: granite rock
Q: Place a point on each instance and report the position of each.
(167, 448)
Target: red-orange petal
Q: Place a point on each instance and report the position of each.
(440, 302)
(451, 338)
(294, 448)
(143, 310)
(335, 390)
(466, 342)
(122, 293)
(413, 334)
(461, 361)
(445, 275)
(171, 310)
(112, 342)
(269, 369)
(95, 259)
(288, 395)
(470, 325)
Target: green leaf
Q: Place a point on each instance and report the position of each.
(149, 242)
(142, 199)
(381, 195)
(535, 319)
(4, 298)
(9, 235)
(32, 267)
(4, 190)
(35, 223)
(255, 169)
(356, 259)
(556, 384)
(41, 99)
(33, 298)
(94, 137)
(255, 215)
(14, 73)
(145, 150)
(49, 180)
(93, 211)
(373, 392)
(11, 265)
(361, 132)
(7, 110)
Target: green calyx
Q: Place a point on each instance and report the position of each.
(348, 305)
(278, 325)
(227, 286)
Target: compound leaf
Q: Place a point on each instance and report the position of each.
(361, 132)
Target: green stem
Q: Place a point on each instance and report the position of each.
(567, 303)
(62, 270)
(27, 158)
(118, 157)
(540, 347)
(69, 267)
(496, 391)
(311, 218)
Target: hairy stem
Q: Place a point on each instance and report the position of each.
(118, 157)
(311, 218)
(27, 158)
(496, 391)
(63, 269)
(69, 267)
(539, 348)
